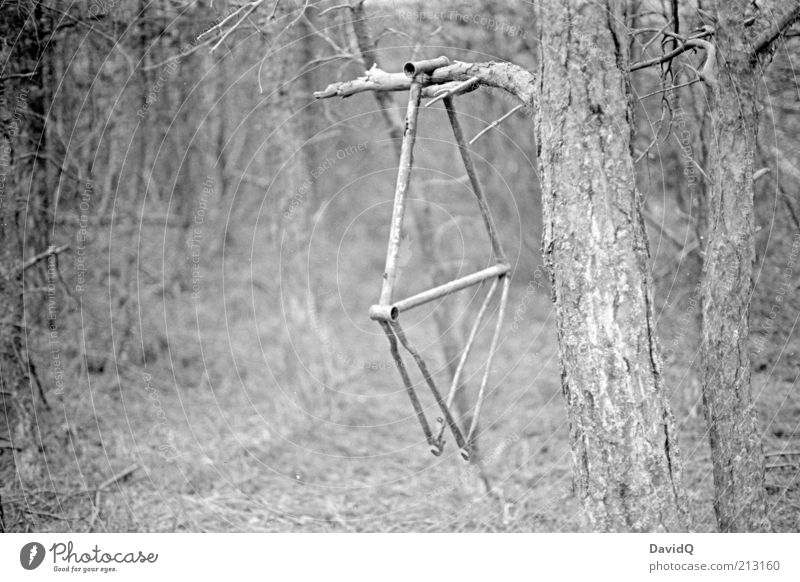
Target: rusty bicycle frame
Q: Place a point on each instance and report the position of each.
(387, 311)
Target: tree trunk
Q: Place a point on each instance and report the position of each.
(736, 450)
(625, 455)
(16, 399)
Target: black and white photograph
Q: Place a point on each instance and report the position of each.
(397, 266)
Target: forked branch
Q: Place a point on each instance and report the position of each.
(764, 42)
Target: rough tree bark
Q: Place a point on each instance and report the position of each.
(449, 339)
(625, 455)
(12, 374)
(743, 49)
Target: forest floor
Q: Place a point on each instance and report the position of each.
(220, 444)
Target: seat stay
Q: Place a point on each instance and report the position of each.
(387, 311)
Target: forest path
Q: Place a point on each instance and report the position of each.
(236, 451)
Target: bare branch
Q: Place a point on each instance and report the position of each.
(459, 88)
(696, 165)
(337, 49)
(118, 477)
(179, 56)
(758, 174)
(665, 231)
(274, 11)
(114, 41)
(709, 71)
(252, 7)
(507, 76)
(161, 221)
(658, 33)
(18, 76)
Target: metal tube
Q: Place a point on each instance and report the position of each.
(400, 193)
(462, 444)
(492, 349)
(451, 287)
(473, 178)
(495, 123)
(435, 445)
(412, 69)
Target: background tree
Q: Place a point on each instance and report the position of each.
(743, 39)
(165, 142)
(24, 199)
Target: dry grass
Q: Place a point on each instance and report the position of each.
(228, 435)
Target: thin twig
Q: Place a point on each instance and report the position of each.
(658, 33)
(18, 76)
(457, 88)
(689, 44)
(332, 8)
(118, 477)
(277, 37)
(337, 50)
(467, 349)
(117, 45)
(671, 88)
(95, 510)
(768, 37)
(696, 165)
(758, 174)
(253, 6)
(492, 350)
(783, 466)
(423, 422)
(507, 76)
